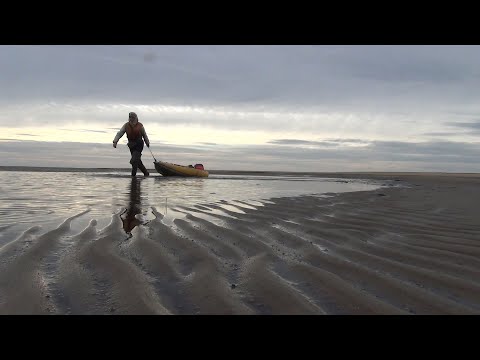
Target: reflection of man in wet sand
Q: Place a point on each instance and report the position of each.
(130, 221)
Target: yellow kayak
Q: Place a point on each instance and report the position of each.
(169, 169)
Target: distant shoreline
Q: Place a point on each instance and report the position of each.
(353, 174)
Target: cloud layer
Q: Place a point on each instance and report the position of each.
(408, 107)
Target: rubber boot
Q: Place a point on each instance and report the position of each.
(134, 170)
(143, 168)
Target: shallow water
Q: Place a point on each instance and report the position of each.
(46, 199)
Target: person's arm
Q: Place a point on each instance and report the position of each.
(119, 135)
(145, 137)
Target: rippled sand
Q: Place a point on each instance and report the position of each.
(412, 249)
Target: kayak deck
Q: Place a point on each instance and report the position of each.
(169, 169)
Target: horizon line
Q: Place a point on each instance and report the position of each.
(212, 171)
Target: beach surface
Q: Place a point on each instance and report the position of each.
(409, 246)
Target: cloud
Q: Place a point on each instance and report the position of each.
(473, 126)
(324, 143)
(377, 156)
(87, 130)
(296, 142)
(149, 57)
(291, 76)
(443, 133)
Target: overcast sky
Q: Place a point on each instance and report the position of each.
(292, 108)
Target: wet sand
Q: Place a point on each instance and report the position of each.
(397, 250)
